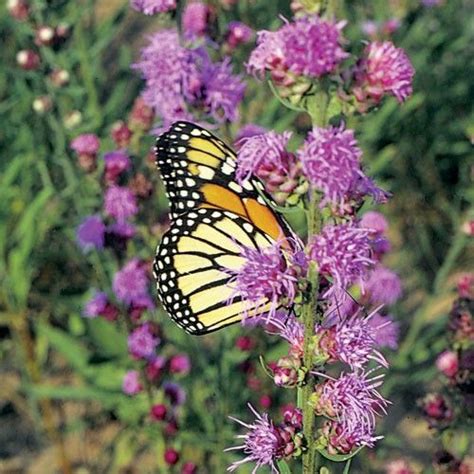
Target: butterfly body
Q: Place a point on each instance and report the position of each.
(212, 218)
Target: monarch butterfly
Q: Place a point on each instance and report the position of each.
(212, 217)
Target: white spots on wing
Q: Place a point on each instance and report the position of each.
(227, 169)
(196, 132)
(248, 227)
(190, 182)
(235, 187)
(206, 172)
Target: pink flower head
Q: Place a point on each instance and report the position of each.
(116, 162)
(195, 19)
(342, 252)
(265, 277)
(383, 286)
(261, 443)
(91, 233)
(180, 364)
(151, 7)
(309, 47)
(96, 305)
(384, 69)
(331, 161)
(352, 400)
(131, 383)
(130, 283)
(86, 144)
(398, 466)
(261, 151)
(120, 202)
(466, 286)
(175, 393)
(247, 131)
(142, 342)
(448, 363)
(238, 33)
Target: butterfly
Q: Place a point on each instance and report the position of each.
(212, 218)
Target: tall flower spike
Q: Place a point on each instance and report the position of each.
(342, 252)
(261, 443)
(131, 282)
(266, 275)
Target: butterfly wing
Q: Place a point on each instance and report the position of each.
(212, 217)
(194, 266)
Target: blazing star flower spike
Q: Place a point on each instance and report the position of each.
(120, 203)
(130, 284)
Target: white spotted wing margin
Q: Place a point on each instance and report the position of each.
(193, 269)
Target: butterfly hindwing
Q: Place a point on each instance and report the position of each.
(194, 267)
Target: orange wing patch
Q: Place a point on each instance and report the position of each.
(222, 198)
(263, 218)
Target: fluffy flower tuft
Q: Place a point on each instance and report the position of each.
(142, 342)
(130, 284)
(384, 69)
(151, 7)
(120, 203)
(91, 233)
(261, 443)
(195, 19)
(383, 286)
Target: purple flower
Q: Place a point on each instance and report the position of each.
(180, 364)
(122, 229)
(130, 284)
(352, 340)
(353, 400)
(238, 33)
(386, 331)
(288, 328)
(195, 19)
(374, 221)
(432, 3)
(247, 131)
(131, 383)
(342, 252)
(86, 144)
(223, 90)
(384, 69)
(261, 443)
(120, 203)
(383, 286)
(309, 46)
(151, 7)
(116, 162)
(261, 151)
(96, 305)
(175, 393)
(265, 278)
(331, 162)
(142, 342)
(91, 233)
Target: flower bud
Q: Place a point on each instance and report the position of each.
(18, 9)
(293, 416)
(171, 456)
(158, 412)
(398, 466)
(189, 468)
(27, 59)
(468, 228)
(141, 116)
(466, 286)
(447, 363)
(62, 32)
(42, 104)
(436, 409)
(180, 364)
(121, 134)
(244, 343)
(44, 36)
(286, 372)
(140, 186)
(155, 368)
(59, 77)
(131, 383)
(265, 401)
(72, 119)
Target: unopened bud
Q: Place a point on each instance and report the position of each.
(42, 104)
(44, 36)
(59, 77)
(27, 59)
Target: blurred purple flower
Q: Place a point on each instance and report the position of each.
(180, 364)
(142, 342)
(370, 28)
(151, 7)
(331, 162)
(130, 284)
(432, 3)
(91, 233)
(342, 252)
(383, 286)
(120, 203)
(238, 33)
(195, 19)
(131, 383)
(175, 393)
(309, 46)
(264, 278)
(259, 150)
(155, 367)
(374, 221)
(386, 331)
(353, 400)
(96, 305)
(384, 69)
(177, 77)
(86, 144)
(247, 131)
(261, 443)
(116, 162)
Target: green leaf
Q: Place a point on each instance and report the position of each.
(283, 467)
(338, 457)
(107, 339)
